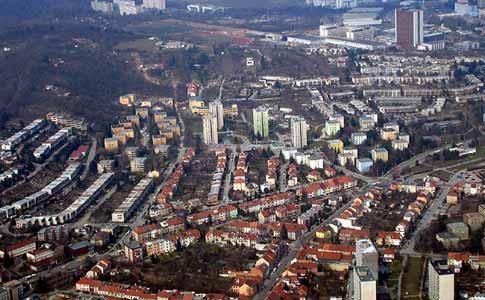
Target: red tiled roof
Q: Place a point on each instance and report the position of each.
(19, 245)
(354, 233)
(391, 234)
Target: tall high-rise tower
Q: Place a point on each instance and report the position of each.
(209, 126)
(366, 255)
(441, 284)
(364, 283)
(299, 129)
(409, 26)
(261, 121)
(217, 109)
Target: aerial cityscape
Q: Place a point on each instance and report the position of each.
(230, 149)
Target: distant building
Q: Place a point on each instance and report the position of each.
(138, 165)
(332, 127)
(364, 164)
(441, 281)
(130, 7)
(409, 26)
(105, 166)
(154, 4)
(465, 8)
(459, 229)
(400, 144)
(358, 138)
(105, 7)
(111, 144)
(261, 121)
(380, 154)
(133, 251)
(365, 284)
(335, 145)
(209, 126)
(299, 129)
(127, 7)
(474, 220)
(12, 289)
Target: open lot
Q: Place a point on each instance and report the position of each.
(201, 267)
(411, 281)
(103, 213)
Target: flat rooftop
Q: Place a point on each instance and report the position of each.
(441, 267)
(364, 273)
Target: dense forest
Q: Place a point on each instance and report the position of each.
(14, 11)
(64, 66)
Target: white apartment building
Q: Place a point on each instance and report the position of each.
(299, 130)
(358, 138)
(210, 132)
(365, 287)
(154, 4)
(366, 255)
(216, 108)
(261, 121)
(441, 285)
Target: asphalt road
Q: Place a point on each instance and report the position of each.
(295, 247)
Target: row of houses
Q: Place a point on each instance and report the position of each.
(247, 283)
(336, 257)
(427, 185)
(158, 230)
(172, 242)
(41, 152)
(271, 176)
(56, 186)
(224, 238)
(413, 212)
(172, 182)
(457, 260)
(271, 201)
(216, 183)
(216, 215)
(291, 231)
(329, 186)
(72, 211)
(121, 291)
(239, 182)
(17, 138)
(126, 209)
(395, 79)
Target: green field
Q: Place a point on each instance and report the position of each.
(393, 279)
(411, 281)
(138, 45)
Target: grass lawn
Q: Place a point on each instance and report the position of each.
(393, 278)
(396, 267)
(443, 175)
(139, 45)
(411, 282)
